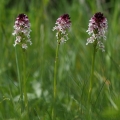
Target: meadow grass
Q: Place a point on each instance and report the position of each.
(74, 62)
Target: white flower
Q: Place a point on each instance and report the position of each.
(24, 46)
(97, 28)
(22, 31)
(63, 23)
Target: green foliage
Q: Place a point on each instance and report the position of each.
(74, 62)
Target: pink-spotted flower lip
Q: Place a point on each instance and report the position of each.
(62, 24)
(97, 28)
(22, 31)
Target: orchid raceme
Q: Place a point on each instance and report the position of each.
(63, 24)
(22, 31)
(97, 29)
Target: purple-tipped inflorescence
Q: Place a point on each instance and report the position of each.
(22, 31)
(63, 24)
(97, 28)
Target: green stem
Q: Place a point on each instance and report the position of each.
(55, 83)
(24, 81)
(20, 82)
(92, 71)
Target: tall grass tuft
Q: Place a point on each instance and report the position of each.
(74, 65)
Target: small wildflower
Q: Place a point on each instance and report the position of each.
(22, 31)
(97, 28)
(63, 24)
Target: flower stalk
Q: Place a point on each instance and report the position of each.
(22, 33)
(92, 70)
(62, 25)
(20, 82)
(24, 80)
(97, 28)
(55, 82)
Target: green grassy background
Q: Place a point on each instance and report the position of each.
(74, 62)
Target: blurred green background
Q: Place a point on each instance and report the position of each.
(74, 61)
